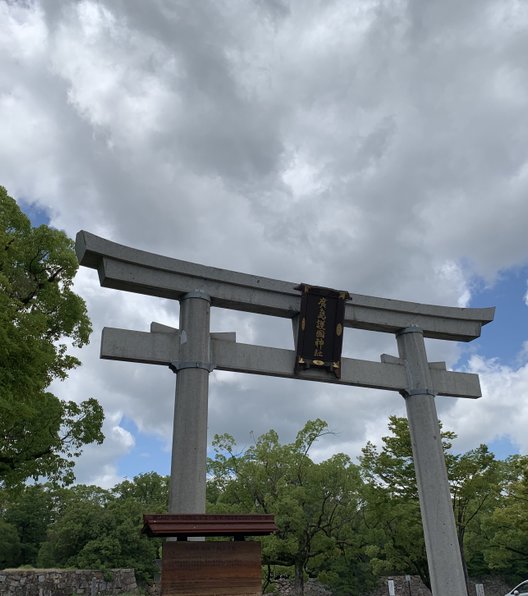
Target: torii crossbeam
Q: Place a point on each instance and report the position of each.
(193, 352)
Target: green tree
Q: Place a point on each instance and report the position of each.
(316, 506)
(394, 533)
(392, 511)
(39, 312)
(476, 482)
(101, 529)
(150, 490)
(9, 545)
(30, 511)
(506, 527)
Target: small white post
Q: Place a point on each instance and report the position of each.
(189, 444)
(441, 543)
(390, 586)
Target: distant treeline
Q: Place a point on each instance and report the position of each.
(341, 522)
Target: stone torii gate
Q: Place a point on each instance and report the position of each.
(192, 352)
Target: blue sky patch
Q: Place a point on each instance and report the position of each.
(147, 455)
(503, 338)
(36, 214)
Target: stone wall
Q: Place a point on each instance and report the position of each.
(62, 582)
(492, 587)
(284, 587)
(402, 587)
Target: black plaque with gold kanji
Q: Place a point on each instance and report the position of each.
(320, 335)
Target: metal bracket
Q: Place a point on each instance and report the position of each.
(177, 366)
(410, 329)
(411, 392)
(197, 294)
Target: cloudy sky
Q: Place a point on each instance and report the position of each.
(374, 146)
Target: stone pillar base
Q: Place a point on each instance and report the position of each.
(219, 568)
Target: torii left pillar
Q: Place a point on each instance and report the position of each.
(189, 443)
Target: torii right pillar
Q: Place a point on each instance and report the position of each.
(443, 552)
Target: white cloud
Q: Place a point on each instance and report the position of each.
(375, 147)
(98, 463)
(24, 31)
(502, 411)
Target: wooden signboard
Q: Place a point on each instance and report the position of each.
(222, 568)
(192, 568)
(320, 334)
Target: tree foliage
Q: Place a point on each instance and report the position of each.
(506, 528)
(85, 527)
(91, 536)
(316, 505)
(39, 314)
(476, 481)
(149, 490)
(393, 512)
(342, 524)
(30, 511)
(9, 545)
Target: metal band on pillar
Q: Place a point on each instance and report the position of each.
(177, 366)
(196, 294)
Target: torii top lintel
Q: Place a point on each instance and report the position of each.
(124, 268)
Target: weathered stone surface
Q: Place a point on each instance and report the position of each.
(124, 268)
(62, 582)
(285, 587)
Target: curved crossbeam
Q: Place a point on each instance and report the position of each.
(124, 268)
